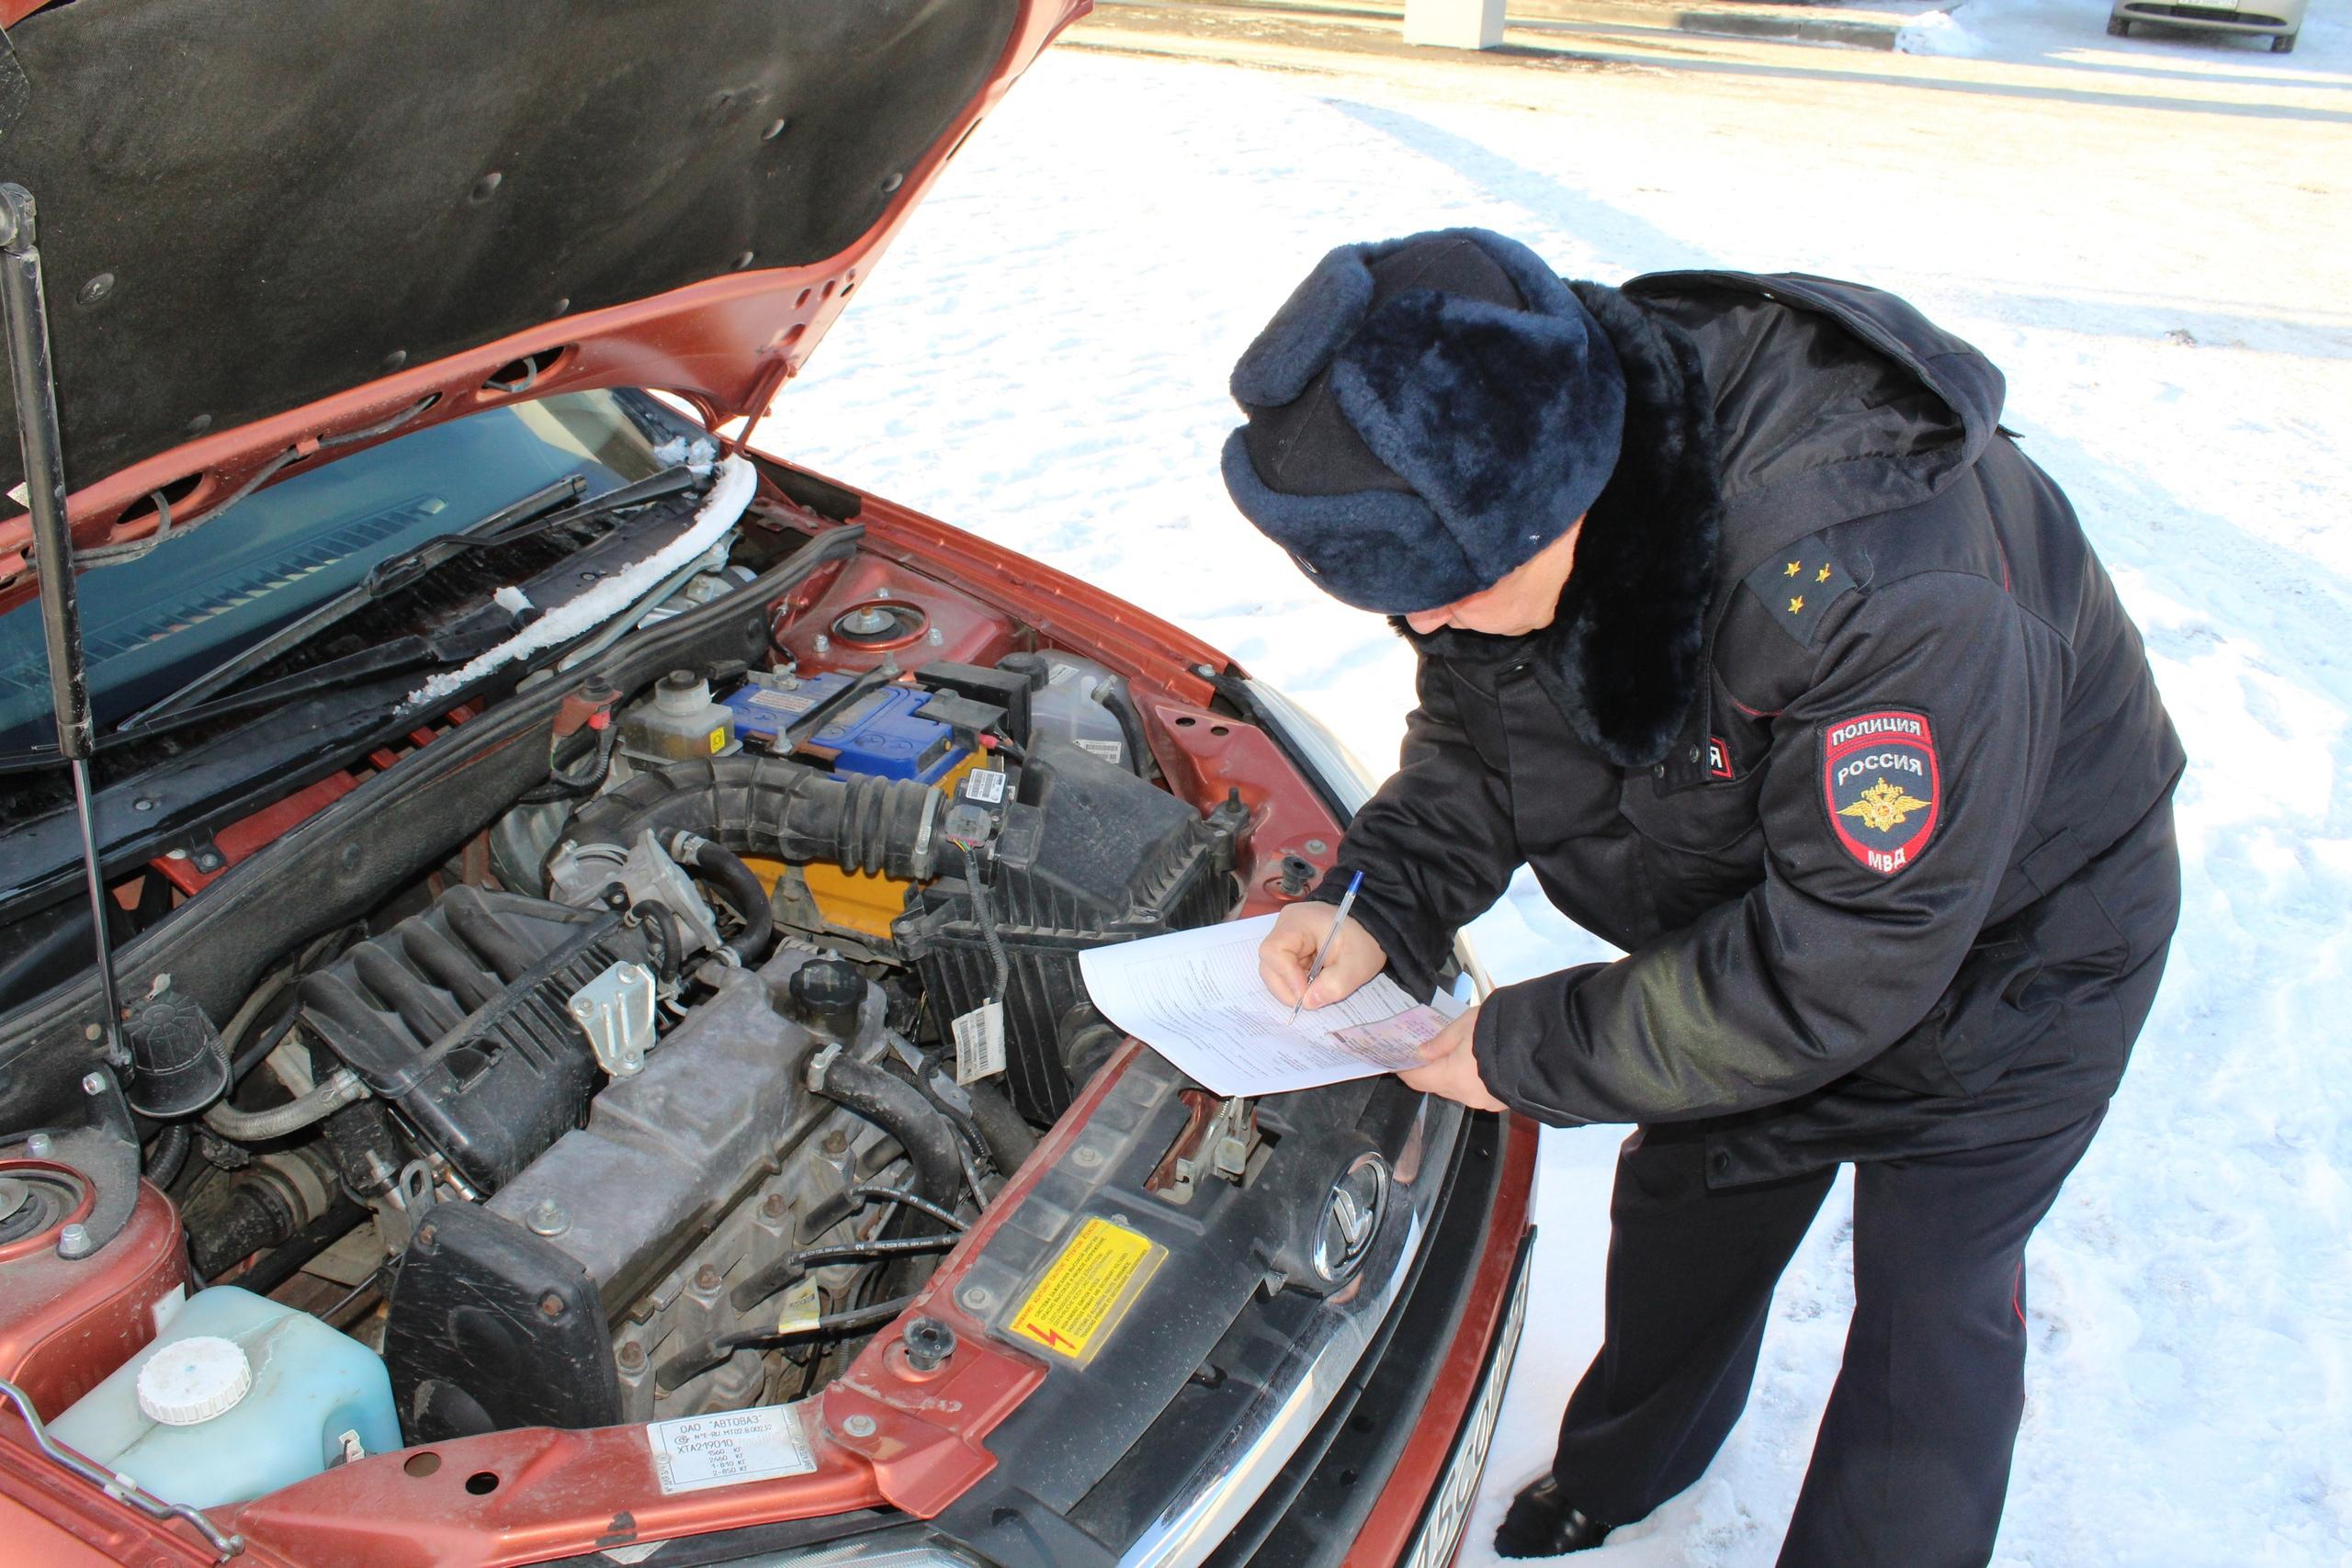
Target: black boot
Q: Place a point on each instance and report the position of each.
(1542, 1523)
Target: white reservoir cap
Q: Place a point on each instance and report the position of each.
(194, 1379)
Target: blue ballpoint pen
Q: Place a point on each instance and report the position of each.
(1316, 968)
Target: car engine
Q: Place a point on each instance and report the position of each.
(674, 1091)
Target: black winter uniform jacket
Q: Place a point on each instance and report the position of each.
(1841, 732)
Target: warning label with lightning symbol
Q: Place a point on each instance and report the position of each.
(1086, 1290)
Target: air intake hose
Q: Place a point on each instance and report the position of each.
(773, 807)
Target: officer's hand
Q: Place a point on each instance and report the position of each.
(1452, 1070)
(1290, 948)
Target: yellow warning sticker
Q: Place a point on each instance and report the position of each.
(718, 740)
(1086, 1290)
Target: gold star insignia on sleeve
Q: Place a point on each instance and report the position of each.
(1798, 588)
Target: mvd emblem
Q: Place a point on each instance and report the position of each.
(1878, 776)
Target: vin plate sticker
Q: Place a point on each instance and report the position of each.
(1086, 1290)
(695, 1452)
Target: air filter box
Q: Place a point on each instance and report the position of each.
(1089, 854)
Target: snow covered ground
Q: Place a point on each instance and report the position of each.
(2151, 237)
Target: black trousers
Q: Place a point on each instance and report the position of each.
(1912, 1462)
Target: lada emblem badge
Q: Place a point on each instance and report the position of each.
(1351, 1217)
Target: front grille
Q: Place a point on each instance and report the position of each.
(1311, 1514)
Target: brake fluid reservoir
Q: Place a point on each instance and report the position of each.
(1071, 703)
(678, 723)
(237, 1396)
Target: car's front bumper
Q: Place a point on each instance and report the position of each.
(2253, 22)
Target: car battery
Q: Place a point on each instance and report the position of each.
(881, 732)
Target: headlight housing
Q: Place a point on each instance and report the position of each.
(1317, 747)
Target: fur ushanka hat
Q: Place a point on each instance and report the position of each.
(1424, 415)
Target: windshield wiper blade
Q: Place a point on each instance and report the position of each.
(676, 477)
(542, 509)
(418, 654)
(506, 523)
(400, 653)
(535, 513)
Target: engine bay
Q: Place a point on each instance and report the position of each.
(669, 1085)
(682, 1099)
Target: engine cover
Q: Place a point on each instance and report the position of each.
(458, 1018)
(503, 1313)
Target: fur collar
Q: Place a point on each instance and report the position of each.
(1622, 657)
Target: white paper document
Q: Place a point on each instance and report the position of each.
(1195, 998)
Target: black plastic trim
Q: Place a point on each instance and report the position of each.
(1312, 1514)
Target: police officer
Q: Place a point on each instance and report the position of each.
(1745, 626)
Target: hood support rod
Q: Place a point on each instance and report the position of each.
(31, 377)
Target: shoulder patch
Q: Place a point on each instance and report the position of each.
(1879, 779)
(1797, 587)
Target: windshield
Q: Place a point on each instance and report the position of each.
(151, 625)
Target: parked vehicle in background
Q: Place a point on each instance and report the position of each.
(2279, 21)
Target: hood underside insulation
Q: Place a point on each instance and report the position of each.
(246, 207)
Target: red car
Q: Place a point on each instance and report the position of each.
(601, 1072)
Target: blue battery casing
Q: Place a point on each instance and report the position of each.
(878, 734)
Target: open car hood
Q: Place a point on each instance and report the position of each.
(268, 225)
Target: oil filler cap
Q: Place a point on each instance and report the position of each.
(194, 1379)
(827, 994)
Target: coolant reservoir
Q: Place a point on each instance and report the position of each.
(237, 1396)
(1071, 702)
